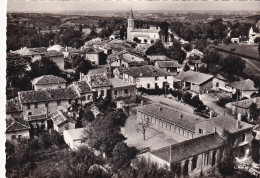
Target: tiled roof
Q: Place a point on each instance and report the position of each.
(99, 81)
(172, 115)
(165, 64)
(48, 79)
(146, 71)
(82, 86)
(53, 53)
(29, 51)
(245, 85)
(194, 77)
(189, 148)
(48, 95)
(227, 123)
(16, 124)
(60, 118)
(13, 105)
(99, 70)
(91, 51)
(75, 134)
(117, 83)
(158, 57)
(218, 76)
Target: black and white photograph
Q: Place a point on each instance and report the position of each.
(130, 88)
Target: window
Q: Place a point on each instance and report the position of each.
(69, 101)
(29, 113)
(156, 78)
(83, 98)
(66, 128)
(102, 93)
(201, 131)
(148, 85)
(243, 137)
(76, 100)
(82, 141)
(13, 137)
(217, 84)
(19, 137)
(126, 91)
(58, 103)
(46, 105)
(35, 105)
(89, 97)
(28, 106)
(115, 92)
(165, 77)
(42, 121)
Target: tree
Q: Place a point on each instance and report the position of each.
(257, 40)
(187, 97)
(233, 64)
(186, 67)
(254, 112)
(259, 48)
(157, 49)
(122, 155)
(143, 126)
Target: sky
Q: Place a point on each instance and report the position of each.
(92, 5)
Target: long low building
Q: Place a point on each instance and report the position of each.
(169, 120)
(191, 157)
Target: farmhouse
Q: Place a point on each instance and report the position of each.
(245, 87)
(61, 121)
(149, 77)
(123, 91)
(169, 66)
(16, 129)
(48, 82)
(219, 83)
(194, 81)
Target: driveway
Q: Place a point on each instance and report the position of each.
(211, 103)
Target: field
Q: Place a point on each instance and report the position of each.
(241, 49)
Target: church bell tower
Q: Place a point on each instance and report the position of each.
(131, 25)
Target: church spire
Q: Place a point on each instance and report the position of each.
(131, 14)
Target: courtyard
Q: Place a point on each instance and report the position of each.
(154, 139)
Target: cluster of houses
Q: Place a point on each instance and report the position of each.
(49, 105)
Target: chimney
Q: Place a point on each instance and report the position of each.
(239, 116)
(210, 114)
(141, 74)
(215, 129)
(142, 102)
(255, 100)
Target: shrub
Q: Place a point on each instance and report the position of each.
(223, 101)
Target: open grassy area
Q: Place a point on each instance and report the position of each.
(241, 49)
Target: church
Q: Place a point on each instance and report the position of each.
(144, 35)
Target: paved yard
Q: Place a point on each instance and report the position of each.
(154, 139)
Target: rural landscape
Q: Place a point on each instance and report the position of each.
(133, 93)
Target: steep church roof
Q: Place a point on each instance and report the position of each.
(131, 14)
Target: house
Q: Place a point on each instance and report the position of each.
(253, 34)
(93, 55)
(123, 91)
(219, 83)
(74, 138)
(33, 53)
(99, 85)
(243, 106)
(153, 58)
(84, 91)
(191, 157)
(101, 69)
(194, 81)
(149, 77)
(62, 121)
(38, 105)
(48, 82)
(234, 40)
(17, 129)
(241, 131)
(244, 87)
(126, 59)
(171, 121)
(13, 108)
(169, 66)
(56, 57)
